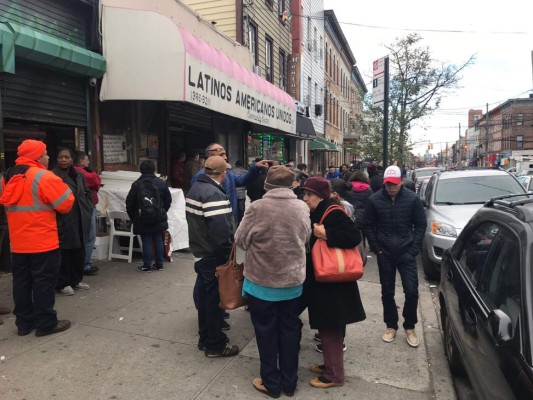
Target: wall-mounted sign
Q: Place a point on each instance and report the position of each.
(294, 76)
(115, 151)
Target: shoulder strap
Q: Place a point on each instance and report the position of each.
(329, 210)
(16, 170)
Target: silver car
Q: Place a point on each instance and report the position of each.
(451, 199)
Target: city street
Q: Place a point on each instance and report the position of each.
(134, 337)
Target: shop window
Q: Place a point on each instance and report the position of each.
(266, 146)
(117, 138)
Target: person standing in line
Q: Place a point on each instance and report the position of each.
(274, 233)
(241, 191)
(93, 181)
(147, 204)
(73, 226)
(395, 224)
(191, 168)
(232, 181)
(211, 227)
(178, 170)
(376, 180)
(331, 306)
(332, 173)
(32, 196)
(358, 197)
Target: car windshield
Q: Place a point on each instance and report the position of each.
(427, 172)
(475, 189)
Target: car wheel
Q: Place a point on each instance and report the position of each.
(450, 348)
(430, 268)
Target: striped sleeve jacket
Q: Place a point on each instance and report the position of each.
(210, 219)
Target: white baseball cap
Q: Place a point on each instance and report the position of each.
(393, 175)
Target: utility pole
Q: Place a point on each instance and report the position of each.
(487, 123)
(460, 148)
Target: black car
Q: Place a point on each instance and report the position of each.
(486, 299)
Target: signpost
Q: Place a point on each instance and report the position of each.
(380, 93)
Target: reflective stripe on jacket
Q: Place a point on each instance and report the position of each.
(31, 201)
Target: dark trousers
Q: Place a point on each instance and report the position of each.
(152, 245)
(5, 257)
(34, 282)
(210, 315)
(332, 344)
(406, 265)
(277, 331)
(71, 271)
(241, 206)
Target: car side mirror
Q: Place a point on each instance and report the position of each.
(500, 327)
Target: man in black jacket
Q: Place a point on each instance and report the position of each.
(394, 225)
(211, 228)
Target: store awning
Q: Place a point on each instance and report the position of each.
(305, 128)
(151, 56)
(320, 144)
(29, 44)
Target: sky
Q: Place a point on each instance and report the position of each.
(499, 35)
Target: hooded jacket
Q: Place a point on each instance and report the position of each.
(31, 200)
(358, 198)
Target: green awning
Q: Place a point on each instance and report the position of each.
(320, 144)
(28, 44)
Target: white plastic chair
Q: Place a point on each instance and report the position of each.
(121, 215)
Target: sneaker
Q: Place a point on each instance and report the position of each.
(322, 382)
(157, 267)
(318, 347)
(258, 385)
(60, 327)
(227, 351)
(90, 270)
(202, 347)
(389, 335)
(142, 268)
(66, 291)
(412, 339)
(225, 326)
(81, 285)
(317, 337)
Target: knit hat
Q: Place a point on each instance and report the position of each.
(31, 149)
(216, 165)
(393, 175)
(317, 185)
(278, 177)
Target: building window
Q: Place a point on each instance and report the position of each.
(321, 50)
(283, 70)
(309, 91)
(520, 120)
(268, 60)
(252, 40)
(317, 100)
(520, 142)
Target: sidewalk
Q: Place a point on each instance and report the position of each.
(134, 336)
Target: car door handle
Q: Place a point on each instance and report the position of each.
(449, 275)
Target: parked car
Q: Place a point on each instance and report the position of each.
(451, 198)
(486, 302)
(422, 188)
(526, 181)
(421, 174)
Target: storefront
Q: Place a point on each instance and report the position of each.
(45, 76)
(323, 154)
(200, 89)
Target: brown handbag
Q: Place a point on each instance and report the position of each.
(230, 279)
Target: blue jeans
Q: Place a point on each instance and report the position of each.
(277, 331)
(34, 288)
(406, 265)
(90, 241)
(152, 241)
(210, 315)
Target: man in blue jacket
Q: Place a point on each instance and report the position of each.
(232, 180)
(394, 225)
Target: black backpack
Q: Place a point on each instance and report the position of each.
(151, 210)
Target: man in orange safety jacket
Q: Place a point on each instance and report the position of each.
(31, 196)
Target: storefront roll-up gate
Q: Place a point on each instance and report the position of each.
(40, 95)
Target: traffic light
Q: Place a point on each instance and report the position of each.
(430, 146)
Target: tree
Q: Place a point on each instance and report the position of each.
(417, 84)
